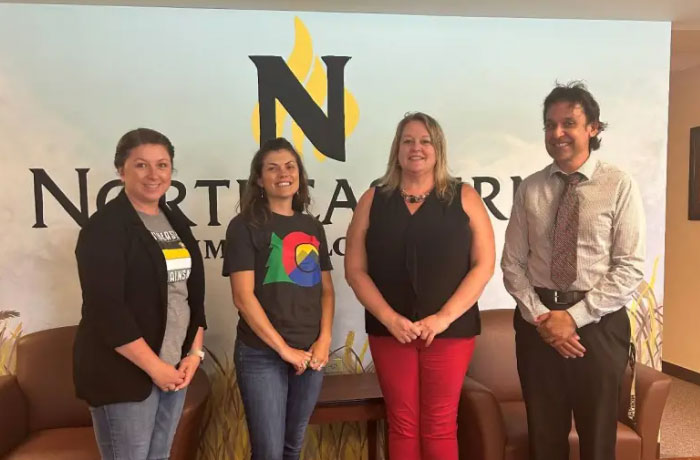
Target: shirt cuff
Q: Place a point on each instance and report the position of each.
(530, 314)
(579, 313)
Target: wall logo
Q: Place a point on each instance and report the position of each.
(299, 87)
(294, 259)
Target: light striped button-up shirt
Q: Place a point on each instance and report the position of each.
(611, 240)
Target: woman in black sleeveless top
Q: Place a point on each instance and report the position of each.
(420, 250)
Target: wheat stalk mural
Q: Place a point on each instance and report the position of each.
(8, 341)
(646, 321)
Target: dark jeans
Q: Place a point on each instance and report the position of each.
(554, 386)
(277, 402)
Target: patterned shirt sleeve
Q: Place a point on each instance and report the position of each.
(515, 260)
(627, 255)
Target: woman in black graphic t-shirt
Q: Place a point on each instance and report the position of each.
(277, 259)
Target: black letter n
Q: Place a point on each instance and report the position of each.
(41, 179)
(276, 81)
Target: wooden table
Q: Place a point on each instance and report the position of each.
(352, 398)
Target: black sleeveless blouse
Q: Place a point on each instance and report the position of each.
(418, 261)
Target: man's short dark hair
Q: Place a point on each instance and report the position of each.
(575, 92)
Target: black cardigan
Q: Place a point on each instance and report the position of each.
(123, 277)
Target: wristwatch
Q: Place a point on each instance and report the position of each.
(197, 352)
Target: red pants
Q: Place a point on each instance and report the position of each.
(421, 387)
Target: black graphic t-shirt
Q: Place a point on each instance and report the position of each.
(288, 255)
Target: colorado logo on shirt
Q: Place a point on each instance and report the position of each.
(294, 259)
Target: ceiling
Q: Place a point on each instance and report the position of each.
(685, 14)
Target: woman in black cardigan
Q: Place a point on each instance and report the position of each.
(141, 335)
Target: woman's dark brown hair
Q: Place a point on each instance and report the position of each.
(253, 204)
(137, 137)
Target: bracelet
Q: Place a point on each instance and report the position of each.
(197, 352)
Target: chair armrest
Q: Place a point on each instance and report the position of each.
(481, 431)
(652, 390)
(187, 437)
(14, 416)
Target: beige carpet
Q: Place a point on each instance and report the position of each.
(680, 425)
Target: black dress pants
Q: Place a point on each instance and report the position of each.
(554, 387)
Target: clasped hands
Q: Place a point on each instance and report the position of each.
(558, 329)
(406, 331)
(316, 357)
(170, 378)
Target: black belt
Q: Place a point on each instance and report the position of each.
(559, 300)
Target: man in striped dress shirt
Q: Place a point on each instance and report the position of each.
(573, 256)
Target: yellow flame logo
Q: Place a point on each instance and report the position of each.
(315, 83)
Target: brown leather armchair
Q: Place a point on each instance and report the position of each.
(40, 417)
(492, 423)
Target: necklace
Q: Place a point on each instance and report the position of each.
(414, 198)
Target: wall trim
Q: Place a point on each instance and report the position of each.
(680, 372)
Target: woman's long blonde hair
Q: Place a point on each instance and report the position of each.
(445, 184)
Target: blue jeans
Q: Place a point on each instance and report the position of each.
(277, 402)
(142, 430)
